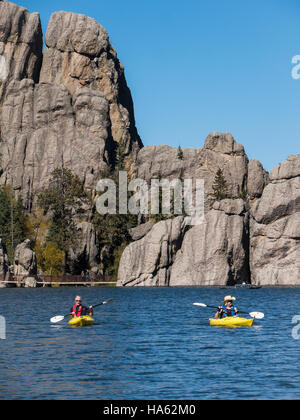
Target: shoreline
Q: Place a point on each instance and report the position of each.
(114, 285)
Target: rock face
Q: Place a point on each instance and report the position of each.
(275, 228)
(258, 178)
(220, 151)
(25, 260)
(44, 127)
(215, 253)
(78, 54)
(140, 231)
(79, 114)
(148, 261)
(67, 107)
(86, 252)
(21, 43)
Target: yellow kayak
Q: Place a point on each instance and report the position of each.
(232, 321)
(81, 321)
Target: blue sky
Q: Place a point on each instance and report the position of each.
(199, 66)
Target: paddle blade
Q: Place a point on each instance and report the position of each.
(107, 301)
(200, 304)
(257, 315)
(56, 319)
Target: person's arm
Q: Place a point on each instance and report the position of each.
(219, 313)
(91, 312)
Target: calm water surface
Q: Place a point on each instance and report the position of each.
(148, 344)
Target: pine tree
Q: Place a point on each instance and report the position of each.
(63, 199)
(220, 189)
(12, 221)
(113, 230)
(179, 153)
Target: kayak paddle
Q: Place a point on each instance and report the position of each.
(59, 318)
(257, 315)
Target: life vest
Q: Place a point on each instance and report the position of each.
(228, 312)
(77, 311)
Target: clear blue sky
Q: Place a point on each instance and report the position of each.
(199, 66)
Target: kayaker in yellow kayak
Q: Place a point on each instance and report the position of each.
(79, 310)
(227, 309)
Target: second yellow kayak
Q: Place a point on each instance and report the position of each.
(232, 321)
(81, 321)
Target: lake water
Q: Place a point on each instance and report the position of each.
(148, 344)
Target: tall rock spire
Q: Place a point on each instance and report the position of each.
(75, 110)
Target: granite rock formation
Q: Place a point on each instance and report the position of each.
(75, 110)
(78, 54)
(44, 127)
(231, 246)
(148, 261)
(215, 253)
(86, 252)
(21, 43)
(258, 178)
(68, 106)
(275, 228)
(220, 151)
(25, 260)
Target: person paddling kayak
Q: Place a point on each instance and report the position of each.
(79, 310)
(227, 309)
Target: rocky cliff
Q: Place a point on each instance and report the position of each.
(148, 261)
(220, 151)
(70, 107)
(255, 239)
(275, 228)
(21, 43)
(67, 107)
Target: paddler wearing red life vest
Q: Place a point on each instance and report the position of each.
(79, 310)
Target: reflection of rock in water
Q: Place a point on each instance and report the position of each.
(3, 71)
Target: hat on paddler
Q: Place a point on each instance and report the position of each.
(229, 299)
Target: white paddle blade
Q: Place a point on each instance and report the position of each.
(107, 301)
(257, 315)
(56, 319)
(200, 304)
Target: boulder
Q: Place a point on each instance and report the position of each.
(258, 178)
(275, 228)
(25, 260)
(30, 282)
(140, 231)
(215, 253)
(147, 262)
